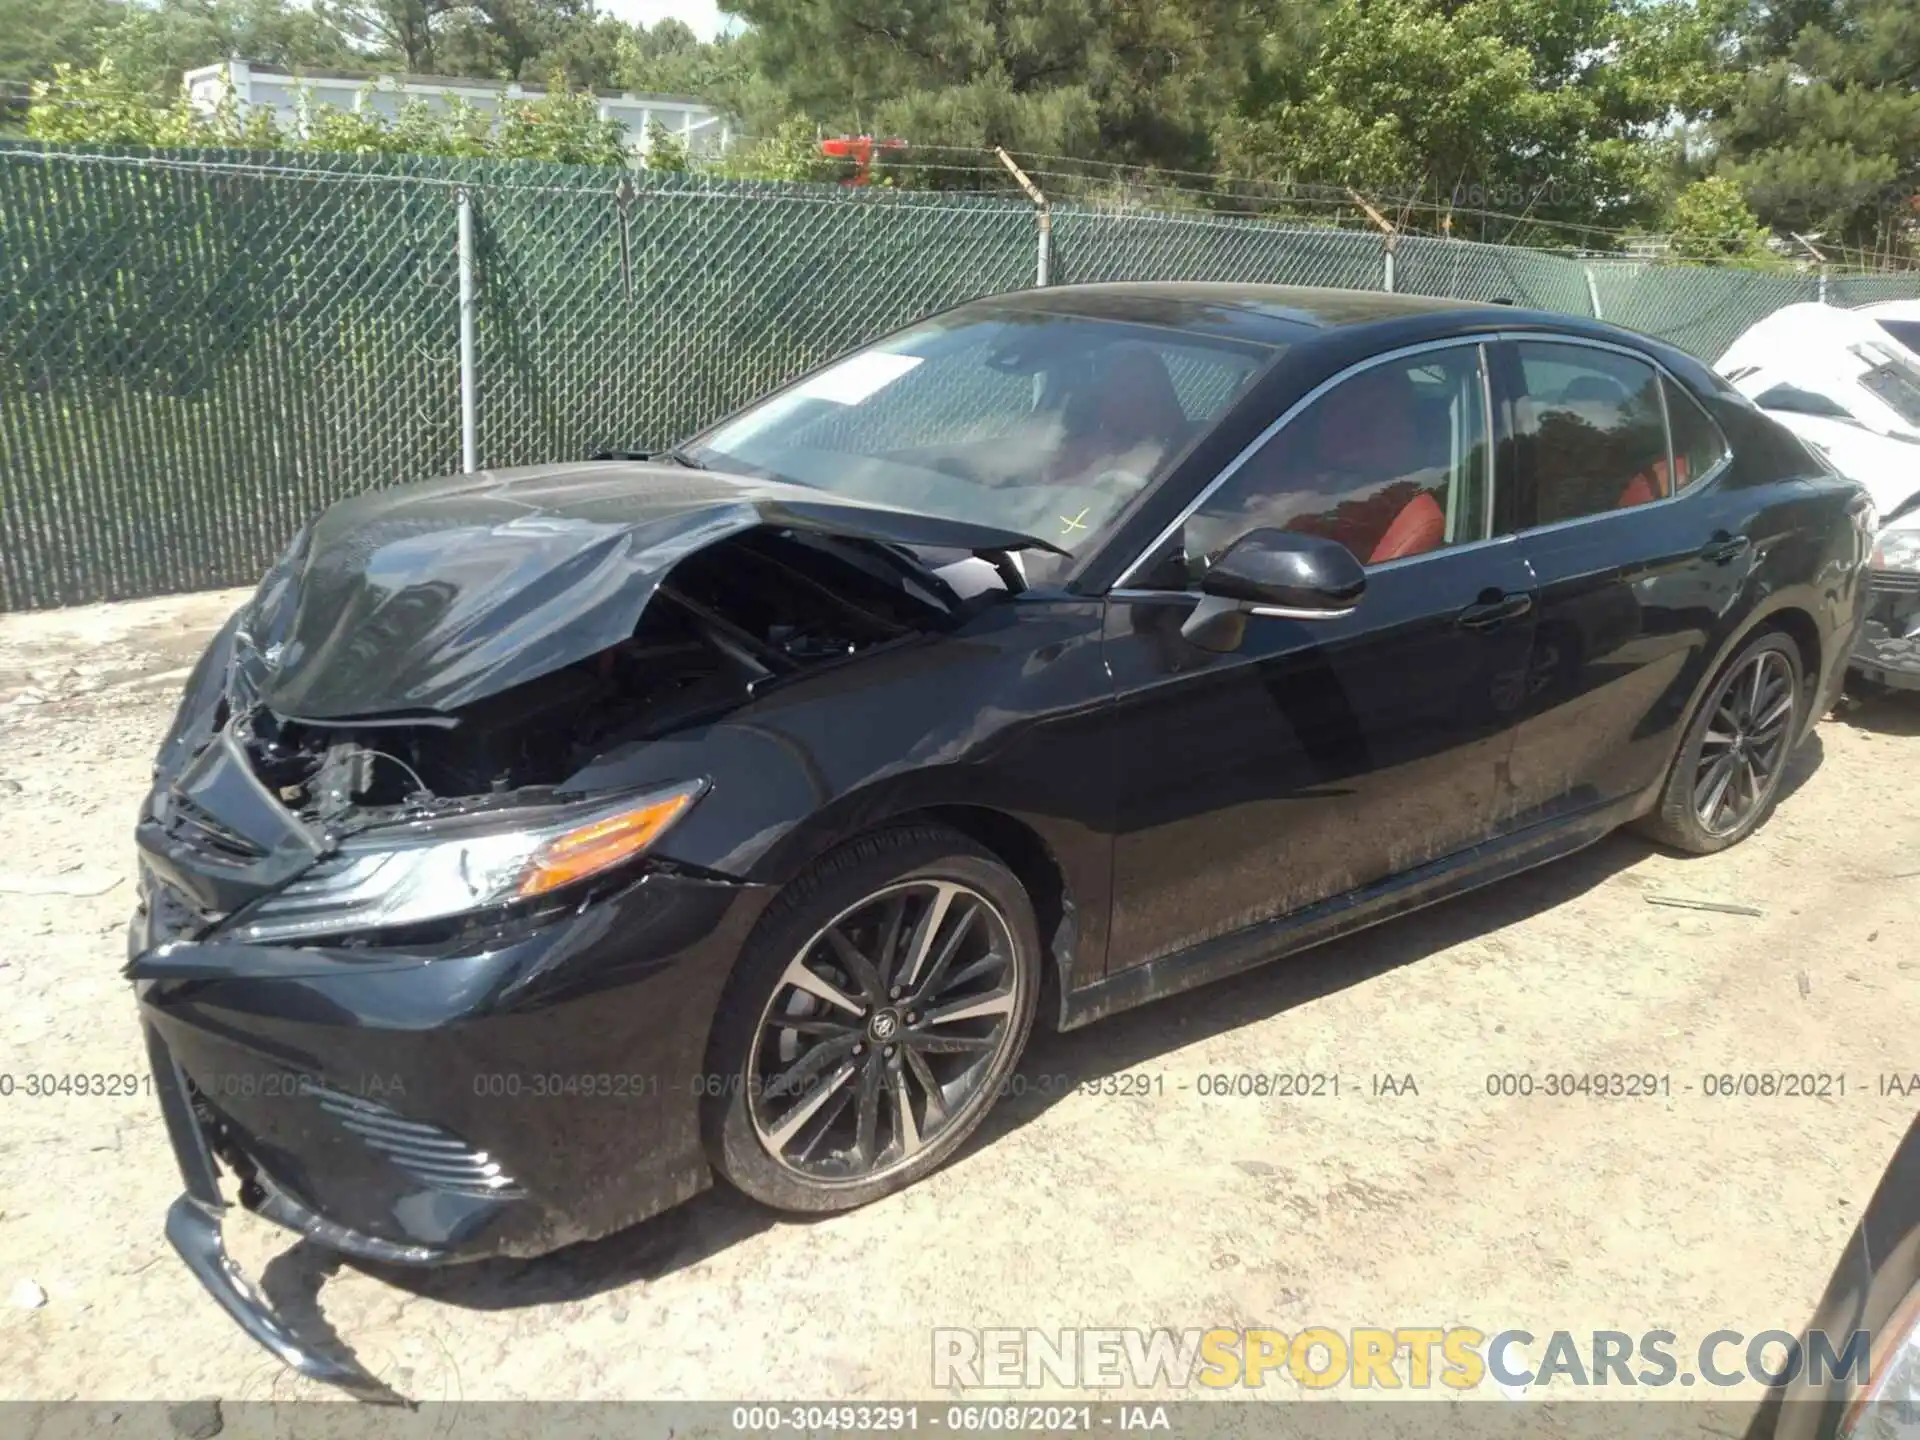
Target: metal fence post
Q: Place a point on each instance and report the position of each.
(469, 381)
(1593, 294)
(1043, 218)
(1387, 276)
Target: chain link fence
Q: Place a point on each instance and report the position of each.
(198, 351)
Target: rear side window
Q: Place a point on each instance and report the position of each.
(1698, 445)
(1591, 429)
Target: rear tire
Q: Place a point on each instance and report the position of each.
(1727, 775)
(871, 1021)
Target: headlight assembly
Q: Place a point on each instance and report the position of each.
(1898, 548)
(434, 870)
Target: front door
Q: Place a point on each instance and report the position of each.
(1323, 754)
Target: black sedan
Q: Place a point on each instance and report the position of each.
(536, 844)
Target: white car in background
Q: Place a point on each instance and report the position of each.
(1847, 382)
(1900, 319)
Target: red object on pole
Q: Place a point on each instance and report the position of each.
(858, 149)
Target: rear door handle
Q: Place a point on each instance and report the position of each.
(1487, 614)
(1724, 547)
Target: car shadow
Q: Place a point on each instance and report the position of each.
(1889, 712)
(1055, 1065)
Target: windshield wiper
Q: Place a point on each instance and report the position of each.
(678, 457)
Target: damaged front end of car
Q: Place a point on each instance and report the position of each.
(1888, 650)
(414, 966)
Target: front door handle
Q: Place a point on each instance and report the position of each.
(1724, 547)
(1489, 613)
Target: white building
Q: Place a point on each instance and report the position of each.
(704, 130)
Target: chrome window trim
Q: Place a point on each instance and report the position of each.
(1705, 478)
(1232, 467)
(1726, 446)
(1286, 612)
(1493, 446)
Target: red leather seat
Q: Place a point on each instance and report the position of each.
(1651, 484)
(1420, 526)
(1366, 431)
(1638, 492)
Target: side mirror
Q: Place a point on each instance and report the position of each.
(1281, 573)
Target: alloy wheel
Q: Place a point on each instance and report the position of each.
(883, 1030)
(1742, 752)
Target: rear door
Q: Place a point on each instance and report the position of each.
(1638, 556)
(1323, 754)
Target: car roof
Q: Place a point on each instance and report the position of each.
(1275, 314)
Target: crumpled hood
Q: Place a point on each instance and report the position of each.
(434, 595)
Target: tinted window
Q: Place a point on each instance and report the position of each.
(1045, 424)
(1391, 463)
(1792, 400)
(1907, 332)
(1698, 445)
(1591, 431)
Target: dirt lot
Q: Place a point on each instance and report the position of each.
(1170, 1208)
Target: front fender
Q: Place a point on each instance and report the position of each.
(1006, 716)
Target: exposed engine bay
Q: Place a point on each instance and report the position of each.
(726, 623)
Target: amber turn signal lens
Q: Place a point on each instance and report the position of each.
(595, 846)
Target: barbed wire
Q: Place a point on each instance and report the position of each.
(1224, 195)
(1348, 205)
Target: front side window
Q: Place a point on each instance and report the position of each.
(1391, 462)
(1037, 422)
(1591, 431)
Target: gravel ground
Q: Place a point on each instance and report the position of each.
(1437, 1206)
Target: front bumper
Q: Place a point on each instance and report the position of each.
(194, 1230)
(506, 1094)
(1888, 649)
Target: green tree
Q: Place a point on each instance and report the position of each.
(562, 126)
(152, 45)
(790, 152)
(36, 35)
(1823, 131)
(1131, 81)
(1547, 109)
(401, 31)
(1711, 224)
(666, 150)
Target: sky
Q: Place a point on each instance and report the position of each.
(703, 17)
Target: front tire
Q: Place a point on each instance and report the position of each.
(872, 1020)
(1728, 772)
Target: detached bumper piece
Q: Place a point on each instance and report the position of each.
(194, 1231)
